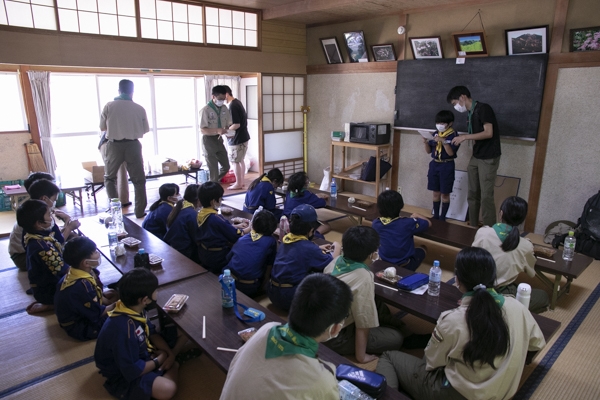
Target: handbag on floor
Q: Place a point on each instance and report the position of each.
(367, 173)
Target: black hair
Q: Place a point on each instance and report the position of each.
(126, 86)
(264, 222)
(227, 90)
(78, 249)
(41, 188)
(456, 92)
(164, 192)
(190, 195)
(444, 117)
(489, 335)
(320, 301)
(274, 175)
(299, 227)
(208, 192)
(219, 89)
(34, 176)
(136, 284)
(30, 212)
(514, 211)
(297, 181)
(389, 204)
(359, 241)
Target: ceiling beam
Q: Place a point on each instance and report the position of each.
(304, 6)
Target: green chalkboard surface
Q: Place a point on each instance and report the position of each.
(512, 85)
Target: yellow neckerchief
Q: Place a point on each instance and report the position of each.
(265, 179)
(204, 214)
(186, 204)
(440, 145)
(291, 238)
(255, 236)
(166, 202)
(386, 220)
(75, 274)
(50, 238)
(122, 309)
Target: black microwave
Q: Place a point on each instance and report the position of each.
(371, 133)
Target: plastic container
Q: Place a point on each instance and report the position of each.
(226, 298)
(435, 277)
(350, 392)
(113, 239)
(524, 294)
(333, 188)
(569, 247)
(284, 227)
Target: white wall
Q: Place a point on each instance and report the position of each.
(13, 156)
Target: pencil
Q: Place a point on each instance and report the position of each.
(546, 259)
(358, 208)
(226, 349)
(386, 286)
(204, 327)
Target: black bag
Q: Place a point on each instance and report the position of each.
(367, 173)
(587, 233)
(370, 382)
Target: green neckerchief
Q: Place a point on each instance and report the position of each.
(291, 238)
(502, 230)
(255, 236)
(440, 145)
(473, 103)
(283, 341)
(299, 193)
(204, 214)
(212, 105)
(123, 96)
(498, 298)
(386, 220)
(343, 266)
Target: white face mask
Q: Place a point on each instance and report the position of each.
(460, 108)
(219, 103)
(331, 327)
(51, 225)
(99, 261)
(441, 127)
(217, 205)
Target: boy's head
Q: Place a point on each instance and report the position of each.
(303, 219)
(210, 194)
(34, 176)
(297, 181)
(389, 204)
(456, 92)
(34, 215)
(320, 305)
(81, 253)
(359, 242)
(264, 223)
(444, 117)
(138, 286)
(44, 190)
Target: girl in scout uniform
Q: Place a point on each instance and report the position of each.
(298, 194)
(261, 192)
(156, 220)
(182, 224)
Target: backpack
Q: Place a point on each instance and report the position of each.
(587, 231)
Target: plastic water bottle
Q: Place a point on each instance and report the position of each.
(117, 214)
(284, 227)
(569, 247)
(141, 259)
(227, 298)
(524, 294)
(113, 240)
(333, 188)
(435, 277)
(350, 392)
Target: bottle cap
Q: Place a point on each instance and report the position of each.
(141, 251)
(571, 233)
(114, 200)
(436, 263)
(227, 273)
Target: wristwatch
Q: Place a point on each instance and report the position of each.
(156, 364)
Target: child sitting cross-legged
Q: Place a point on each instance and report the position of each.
(261, 192)
(298, 194)
(156, 220)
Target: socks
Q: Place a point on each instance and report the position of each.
(436, 210)
(445, 207)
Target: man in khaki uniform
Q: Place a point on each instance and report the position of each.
(215, 120)
(280, 361)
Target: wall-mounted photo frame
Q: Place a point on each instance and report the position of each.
(523, 41)
(332, 50)
(472, 43)
(383, 52)
(425, 48)
(356, 46)
(585, 39)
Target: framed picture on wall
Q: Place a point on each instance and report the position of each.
(332, 50)
(585, 39)
(527, 40)
(384, 52)
(356, 46)
(472, 43)
(424, 48)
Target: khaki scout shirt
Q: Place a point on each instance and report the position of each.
(450, 336)
(209, 118)
(509, 264)
(251, 376)
(124, 119)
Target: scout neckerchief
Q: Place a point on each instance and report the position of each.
(122, 309)
(498, 298)
(166, 202)
(123, 96)
(186, 204)
(291, 238)
(283, 341)
(48, 238)
(440, 145)
(344, 265)
(386, 220)
(212, 105)
(473, 103)
(297, 193)
(255, 236)
(265, 179)
(75, 274)
(204, 214)
(502, 230)
(51, 257)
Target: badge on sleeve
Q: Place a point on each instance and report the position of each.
(436, 336)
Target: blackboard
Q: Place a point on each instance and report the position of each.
(512, 85)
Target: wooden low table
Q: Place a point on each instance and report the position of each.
(71, 187)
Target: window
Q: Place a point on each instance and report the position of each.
(166, 20)
(231, 27)
(282, 98)
(104, 17)
(28, 13)
(12, 112)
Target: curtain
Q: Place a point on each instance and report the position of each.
(40, 87)
(211, 81)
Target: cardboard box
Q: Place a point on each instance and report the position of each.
(169, 166)
(92, 172)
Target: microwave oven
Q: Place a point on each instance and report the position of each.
(370, 133)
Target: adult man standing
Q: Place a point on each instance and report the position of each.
(238, 144)
(122, 180)
(125, 122)
(215, 120)
(483, 166)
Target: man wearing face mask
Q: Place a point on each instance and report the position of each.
(280, 361)
(483, 166)
(215, 120)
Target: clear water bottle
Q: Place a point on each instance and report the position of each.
(569, 247)
(284, 227)
(333, 188)
(350, 392)
(524, 294)
(435, 277)
(113, 240)
(227, 298)
(117, 214)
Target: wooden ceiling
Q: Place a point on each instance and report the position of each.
(321, 12)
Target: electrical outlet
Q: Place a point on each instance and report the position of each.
(400, 189)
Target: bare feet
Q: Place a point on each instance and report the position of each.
(235, 187)
(36, 308)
